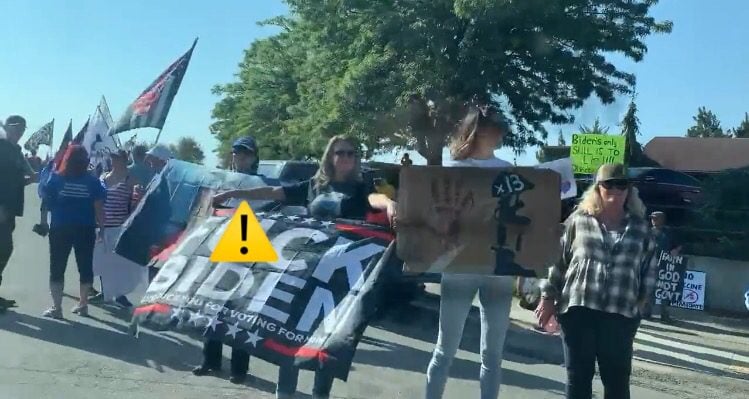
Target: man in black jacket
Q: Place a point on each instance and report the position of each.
(16, 174)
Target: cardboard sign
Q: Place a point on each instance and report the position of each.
(693, 296)
(590, 151)
(669, 285)
(502, 221)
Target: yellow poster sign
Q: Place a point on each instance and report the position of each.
(589, 151)
(244, 240)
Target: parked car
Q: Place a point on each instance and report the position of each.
(287, 172)
(670, 191)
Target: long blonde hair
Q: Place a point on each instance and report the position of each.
(326, 171)
(463, 143)
(592, 203)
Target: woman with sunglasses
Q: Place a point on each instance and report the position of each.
(336, 191)
(601, 283)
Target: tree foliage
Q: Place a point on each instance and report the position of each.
(742, 131)
(706, 125)
(596, 128)
(561, 141)
(400, 72)
(188, 150)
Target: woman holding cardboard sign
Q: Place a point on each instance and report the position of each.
(336, 191)
(480, 134)
(601, 283)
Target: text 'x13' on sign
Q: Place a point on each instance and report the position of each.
(244, 240)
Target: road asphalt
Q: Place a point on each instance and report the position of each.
(96, 357)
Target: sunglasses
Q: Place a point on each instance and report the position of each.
(347, 153)
(618, 184)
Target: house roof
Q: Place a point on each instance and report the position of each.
(699, 154)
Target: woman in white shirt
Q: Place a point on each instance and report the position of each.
(480, 134)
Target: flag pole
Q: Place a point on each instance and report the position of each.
(157, 136)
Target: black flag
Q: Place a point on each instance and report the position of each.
(152, 106)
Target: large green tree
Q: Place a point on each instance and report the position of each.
(400, 72)
(188, 150)
(706, 125)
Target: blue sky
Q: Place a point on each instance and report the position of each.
(60, 57)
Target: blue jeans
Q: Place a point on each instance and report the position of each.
(495, 301)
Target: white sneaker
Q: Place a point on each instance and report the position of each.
(54, 313)
(80, 310)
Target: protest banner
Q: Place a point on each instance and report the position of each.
(502, 221)
(669, 285)
(693, 295)
(308, 309)
(590, 151)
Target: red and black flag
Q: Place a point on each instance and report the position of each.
(66, 139)
(152, 106)
(81, 133)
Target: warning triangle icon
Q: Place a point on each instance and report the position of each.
(244, 240)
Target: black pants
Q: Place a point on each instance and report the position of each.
(240, 360)
(589, 335)
(288, 378)
(6, 243)
(62, 240)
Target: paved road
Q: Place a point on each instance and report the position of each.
(96, 357)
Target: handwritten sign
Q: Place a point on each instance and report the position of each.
(669, 286)
(589, 151)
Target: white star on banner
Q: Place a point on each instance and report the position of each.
(309, 220)
(177, 313)
(277, 215)
(252, 338)
(233, 330)
(195, 318)
(293, 218)
(326, 223)
(260, 214)
(213, 323)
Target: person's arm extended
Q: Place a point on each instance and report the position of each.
(383, 203)
(260, 193)
(30, 175)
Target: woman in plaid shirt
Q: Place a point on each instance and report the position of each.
(600, 284)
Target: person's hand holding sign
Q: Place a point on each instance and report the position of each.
(449, 201)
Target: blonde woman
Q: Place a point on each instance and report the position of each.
(480, 133)
(601, 283)
(336, 191)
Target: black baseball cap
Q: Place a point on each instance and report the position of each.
(15, 120)
(248, 143)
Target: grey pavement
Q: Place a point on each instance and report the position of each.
(96, 357)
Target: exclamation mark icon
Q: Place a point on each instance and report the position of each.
(244, 249)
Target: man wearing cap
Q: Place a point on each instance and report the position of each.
(245, 156)
(157, 157)
(245, 160)
(665, 241)
(16, 174)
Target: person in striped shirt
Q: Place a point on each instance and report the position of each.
(119, 276)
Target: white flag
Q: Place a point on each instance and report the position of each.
(96, 140)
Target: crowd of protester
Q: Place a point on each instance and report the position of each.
(599, 289)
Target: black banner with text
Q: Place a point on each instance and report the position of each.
(309, 309)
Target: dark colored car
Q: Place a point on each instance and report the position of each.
(670, 191)
(288, 171)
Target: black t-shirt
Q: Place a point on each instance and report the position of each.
(347, 200)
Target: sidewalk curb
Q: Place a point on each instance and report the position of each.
(521, 339)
